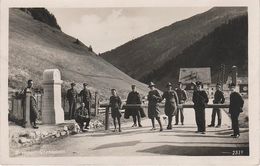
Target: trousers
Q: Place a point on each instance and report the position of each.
(200, 119)
(179, 111)
(216, 111)
(234, 120)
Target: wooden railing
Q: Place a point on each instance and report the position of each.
(107, 112)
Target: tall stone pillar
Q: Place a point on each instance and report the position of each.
(52, 112)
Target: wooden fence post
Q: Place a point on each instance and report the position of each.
(96, 103)
(107, 118)
(27, 108)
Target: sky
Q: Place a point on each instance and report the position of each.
(107, 28)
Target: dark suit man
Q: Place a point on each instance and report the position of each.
(200, 100)
(86, 97)
(72, 98)
(134, 98)
(218, 99)
(235, 108)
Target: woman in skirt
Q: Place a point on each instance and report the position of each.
(171, 100)
(115, 104)
(153, 108)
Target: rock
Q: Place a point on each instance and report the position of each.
(23, 140)
(65, 128)
(57, 135)
(32, 135)
(37, 133)
(63, 133)
(45, 133)
(23, 134)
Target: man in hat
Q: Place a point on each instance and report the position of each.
(200, 100)
(218, 99)
(171, 102)
(86, 97)
(154, 98)
(235, 108)
(134, 98)
(182, 96)
(72, 95)
(82, 115)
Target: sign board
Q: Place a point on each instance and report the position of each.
(188, 75)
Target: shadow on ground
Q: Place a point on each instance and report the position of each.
(196, 150)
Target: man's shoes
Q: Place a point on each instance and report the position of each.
(211, 125)
(134, 125)
(139, 125)
(153, 128)
(119, 130)
(218, 126)
(115, 130)
(197, 131)
(169, 127)
(176, 124)
(182, 123)
(235, 135)
(161, 129)
(35, 127)
(202, 132)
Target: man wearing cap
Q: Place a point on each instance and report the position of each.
(200, 100)
(86, 97)
(235, 108)
(134, 98)
(182, 96)
(170, 104)
(154, 98)
(218, 99)
(72, 95)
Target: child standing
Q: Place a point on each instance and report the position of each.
(115, 104)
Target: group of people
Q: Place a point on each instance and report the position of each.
(173, 98)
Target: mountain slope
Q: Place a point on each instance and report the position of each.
(35, 46)
(227, 44)
(151, 51)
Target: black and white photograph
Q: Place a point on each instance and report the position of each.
(131, 81)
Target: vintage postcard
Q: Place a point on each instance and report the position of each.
(130, 82)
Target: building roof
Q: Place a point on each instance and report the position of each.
(188, 75)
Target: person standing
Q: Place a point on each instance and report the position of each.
(72, 95)
(235, 108)
(115, 104)
(134, 98)
(218, 99)
(82, 115)
(153, 107)
(86, 97)
(170, 104)
(200, 100)
(33, 103)
(182, 96)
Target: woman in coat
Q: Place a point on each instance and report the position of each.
(153, 108)
(170, 108)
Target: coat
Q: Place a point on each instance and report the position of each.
(170, 103)
(236, 103)
(115, 104)
(72, 95)
(132, 98)
(33, 109)
(182, 95)
(153, 107)
(86, 97)
(200, 100)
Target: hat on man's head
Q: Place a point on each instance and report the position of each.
(151, 84)
(113, 89)
(198, 83)
(218, 84)
(85, 84)
(72, 84)
(132, 85)
(179, 83)
(232, 84)
(169, 84)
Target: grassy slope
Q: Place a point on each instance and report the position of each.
(35, 46)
